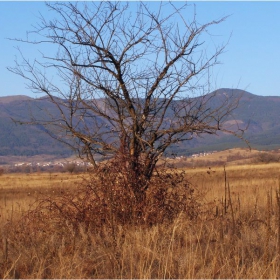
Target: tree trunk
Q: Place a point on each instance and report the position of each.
(139, 176)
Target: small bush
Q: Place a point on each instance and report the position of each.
(70, 167)
(267, 157)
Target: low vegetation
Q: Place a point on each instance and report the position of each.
(228, 157)
(217, 222)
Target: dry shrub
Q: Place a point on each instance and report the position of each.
(266, 157)
(108, 200)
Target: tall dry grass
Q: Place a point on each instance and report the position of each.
(18, 192)
(233, 234)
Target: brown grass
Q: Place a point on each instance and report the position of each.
(237, 156)
(235, 233)
(20, 191)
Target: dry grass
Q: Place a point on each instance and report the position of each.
(20, 191)
(238, 156)
(234, 235)
(248, 183)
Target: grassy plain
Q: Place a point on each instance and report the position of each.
(19, 191)
(235, 235)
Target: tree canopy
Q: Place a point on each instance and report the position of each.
(133, 81)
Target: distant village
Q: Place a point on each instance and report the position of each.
(71, 166)
(55, 166)
(50, 164)
(193, 155)
(74, 165)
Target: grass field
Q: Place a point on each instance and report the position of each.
(235, 235)
(20, 191)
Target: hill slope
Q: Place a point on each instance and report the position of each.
(261, 113)
(25, 140)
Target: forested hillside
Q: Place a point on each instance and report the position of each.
(26, 140)
(260, 113)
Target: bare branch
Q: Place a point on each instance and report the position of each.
(129, 79)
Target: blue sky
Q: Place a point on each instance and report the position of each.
(251, 61)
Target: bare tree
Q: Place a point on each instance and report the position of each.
(134, 81)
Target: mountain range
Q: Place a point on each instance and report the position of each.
(260, 113)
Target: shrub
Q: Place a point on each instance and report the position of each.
(107, 200)
(267, 157)
(70, 167)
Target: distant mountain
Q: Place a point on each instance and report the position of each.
(26, 140)
(8, 99)
(261, 113)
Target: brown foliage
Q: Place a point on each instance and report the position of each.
(107, 199)
(267, 157)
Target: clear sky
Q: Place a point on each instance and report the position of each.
(251, 61)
